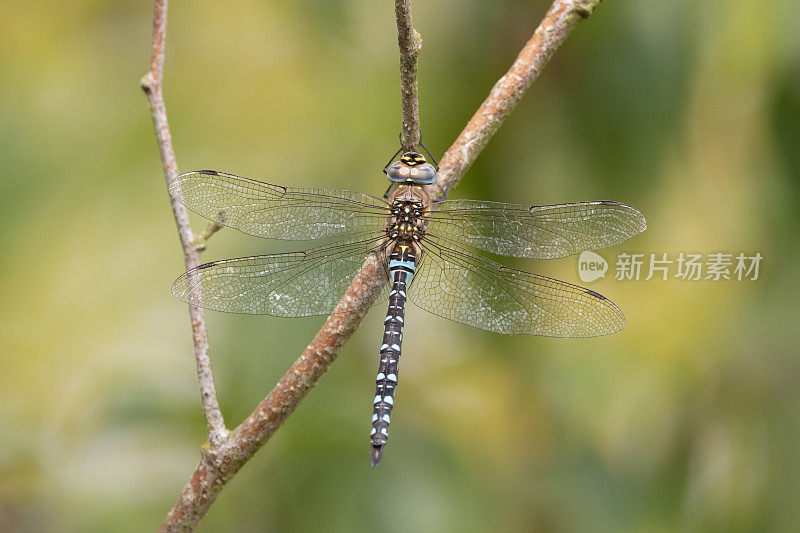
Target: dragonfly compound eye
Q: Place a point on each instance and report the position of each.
(421, 174)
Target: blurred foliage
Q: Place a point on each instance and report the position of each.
(687, 420)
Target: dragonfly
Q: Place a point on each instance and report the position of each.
(426, 248)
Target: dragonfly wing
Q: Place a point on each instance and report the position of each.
(470, 289)
(294, 284)
(277, 212)
(537, 232)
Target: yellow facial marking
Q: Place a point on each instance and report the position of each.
(413, 159)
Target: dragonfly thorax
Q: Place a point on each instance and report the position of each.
(407, 220)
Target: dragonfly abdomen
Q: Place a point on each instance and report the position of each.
(402, 264)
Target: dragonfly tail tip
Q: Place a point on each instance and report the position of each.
(376, 455)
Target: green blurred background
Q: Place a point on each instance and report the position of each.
(687, 420)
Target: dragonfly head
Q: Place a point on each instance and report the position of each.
(412, 168)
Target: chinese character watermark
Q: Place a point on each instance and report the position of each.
(717, 266)
(690, 266)
(629, 266)
(752, 268)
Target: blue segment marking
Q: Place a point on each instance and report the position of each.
(394, 264)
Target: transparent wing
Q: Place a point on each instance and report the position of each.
(464, 287)
(292, 284)
(537, 232)
(276, 212)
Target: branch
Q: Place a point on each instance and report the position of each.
(218, 465)
(410, 43)
(151, 83)
(201, 240)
